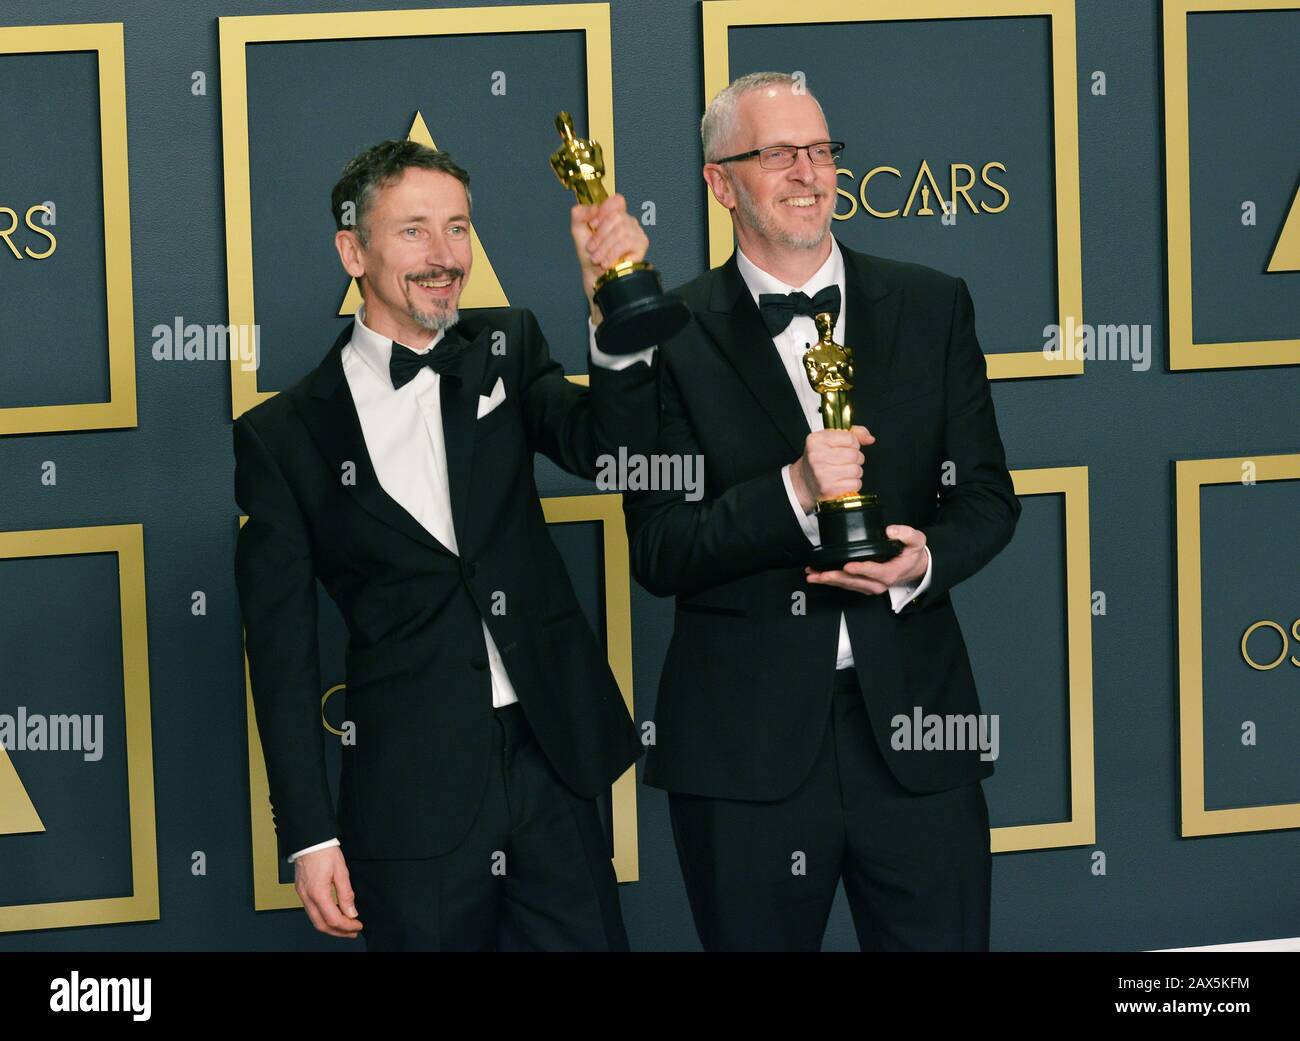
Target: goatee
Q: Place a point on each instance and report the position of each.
(436, 321)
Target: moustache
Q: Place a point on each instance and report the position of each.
(437, 273)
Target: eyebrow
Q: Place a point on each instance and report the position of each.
(424, 220)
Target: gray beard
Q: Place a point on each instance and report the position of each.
(772, 231)
(436, 321)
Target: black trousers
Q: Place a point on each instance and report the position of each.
(533, 873)
(916, 868)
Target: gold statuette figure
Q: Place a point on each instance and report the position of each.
(852, 526)
(636, 314)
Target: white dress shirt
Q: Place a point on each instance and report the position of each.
(790, 346)
(404, 439)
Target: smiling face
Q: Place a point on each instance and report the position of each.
(417, 260)
(776, 212)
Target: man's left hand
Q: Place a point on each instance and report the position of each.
(871, 577)
(603, 235)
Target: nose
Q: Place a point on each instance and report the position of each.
(803, 168)
(439, 253)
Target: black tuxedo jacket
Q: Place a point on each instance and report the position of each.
(746, 686)
(418, 685)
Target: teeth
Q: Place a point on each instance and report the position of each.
(801, 201)
(434, 285)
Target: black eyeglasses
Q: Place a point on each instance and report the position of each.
(782, 157)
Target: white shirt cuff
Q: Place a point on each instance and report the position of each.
(615, 361)
(313, 849)
(902, 595)
(806, 521)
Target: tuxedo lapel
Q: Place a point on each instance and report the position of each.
(331, 417)
(459, 396)
(734, 324)
(872, 321)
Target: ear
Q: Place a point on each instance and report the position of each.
(350, 253)
(719, 182)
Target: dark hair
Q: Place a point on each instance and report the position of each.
(379, 166)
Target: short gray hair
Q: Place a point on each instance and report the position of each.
(719, 123)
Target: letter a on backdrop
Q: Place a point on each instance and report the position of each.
(1286, 257)
(18, 815)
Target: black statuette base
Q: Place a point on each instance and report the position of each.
(636, 314)
(857, 533)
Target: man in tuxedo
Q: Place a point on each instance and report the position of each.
(400, 474)
(775, 719)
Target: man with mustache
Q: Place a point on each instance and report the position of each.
(400, 474)
(773, 725)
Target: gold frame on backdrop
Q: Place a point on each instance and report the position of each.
(237, 32)
(119, 411)
(1190, 475)
(127, 541)
(720, 16)
(1071, 482)
(269, 893)
(608, 510)
(1184, 351)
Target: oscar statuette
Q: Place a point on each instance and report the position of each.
(852, 526)
(636, 314)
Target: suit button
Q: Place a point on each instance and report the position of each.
(479, 663)
(471, 568)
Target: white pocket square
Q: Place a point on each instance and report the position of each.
(487, 402)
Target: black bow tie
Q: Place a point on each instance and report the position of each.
(405, 364)
(778, 309)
